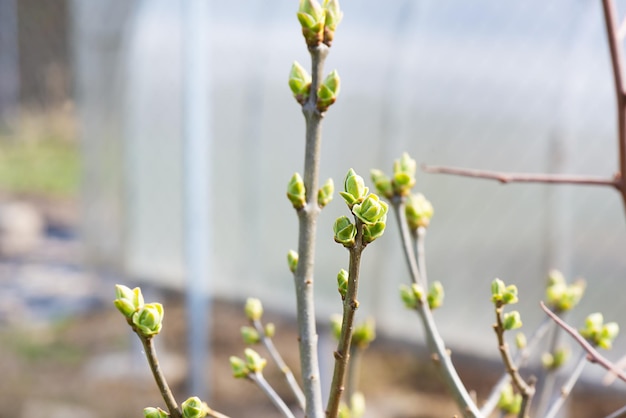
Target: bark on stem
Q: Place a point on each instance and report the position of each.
(303, 277)
(350, 305)
(436, 346)
(159, 378)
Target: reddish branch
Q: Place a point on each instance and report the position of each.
(592, 353)
(615, 35)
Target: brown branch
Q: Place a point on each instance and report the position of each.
(617, 61)
(525, 177)
(592, 354)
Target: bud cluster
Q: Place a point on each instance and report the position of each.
(319, 21)
(509, 402)
(502, 294)
(599, 333)
(553, 361)
(563, 296)
(253, 363)
(145, 318)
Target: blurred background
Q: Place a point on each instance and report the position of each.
(150, 143)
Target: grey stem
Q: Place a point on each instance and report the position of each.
(567, 387)
(421, 255)
(159, 377)
(303, 277)
(260, 381)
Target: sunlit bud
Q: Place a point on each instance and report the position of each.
(509, 296)
(512, 320)
(354, 188)
(364, 333)
(547, 361)
(299, 82)
(560, 357)
(382, 183)
(404, 175)
(239, 367)
(154, 413)
(357, 405)
(572, 295)
(342, 283)
(312, 18)
(296, 192)
(520, 340)
(250, 335)
(333, 18)
(148, 321)
(371, 210)
(501, 293)
(325, 194)
(194, 408)
(328, 91)
(344, 411)
(435, 295)
(254, 361)
(607, 334)
(593, 326)
(345, 231)
(555, 277)
(372, 232)
(335, 325)
(270, 329)
(408, 297)
(128, 301)
(292, 260)
(253, 309)
(418, 211)
(509, 402)
(497, 289)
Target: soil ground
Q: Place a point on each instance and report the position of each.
(76, 367)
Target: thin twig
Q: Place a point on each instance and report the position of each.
(350, 305)
(303, 277)
(520, 360)
(526, 390)
(549, 375)
(354, 367)
(436, 346)
(278, 359)
(567, 387)
(617, 61)
(592, 353)
(525, 177)
(159, 377)
(421, 254)
(260, 381)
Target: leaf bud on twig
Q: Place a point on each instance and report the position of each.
(382, 183)
(354, 188)
(253, 309)
(328, 91)
(435, 295)
(404, 175)
(371, 210)
(299, 82)
(325, 194)
(512, 320)
(250, 335)
(128, 301)
(296, 192)
(238, 367)
(148, 320)
(342, 283)
(333, 18)
(254, 362)
(151, 412)
(312, 17)
(292, 260)
(418, 211)
(345, 231)
(194, 408)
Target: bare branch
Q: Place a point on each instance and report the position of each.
(592, 354)
(525, 177)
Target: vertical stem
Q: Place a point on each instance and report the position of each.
(303, 277)
(567, 387)
(350, 304)
(159, 378)
(353, 372)
(421, 255)
(398, 204)
(617, 61)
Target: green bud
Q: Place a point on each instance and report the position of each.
(148, 321)
(547, 361)
(296, 192)
(357, 405)
(254, 362)
(372, 232)
(345, 231)
(328, 91)
(555, 277)
(509, 402)
(607, 334)
(354, 188)
(364, 334)
(325, 194)
(560, 357)
(520, 340)
(292, 260)
(509, 296)
(333, 18)
(593, 326)
(344, 411)
(408, 297)
(418, 211)
(435, 295)
(342, 283)
(497, 290)
(270, 330)
(128, 301)
(335, 325)
(404, 175)
(382, 183)
(239, 367)
(299, 82)
(512, 320)
(372, 210)
(194, 408)
(151, 412)
(312, 18)
(250, 335)
(253, 309)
